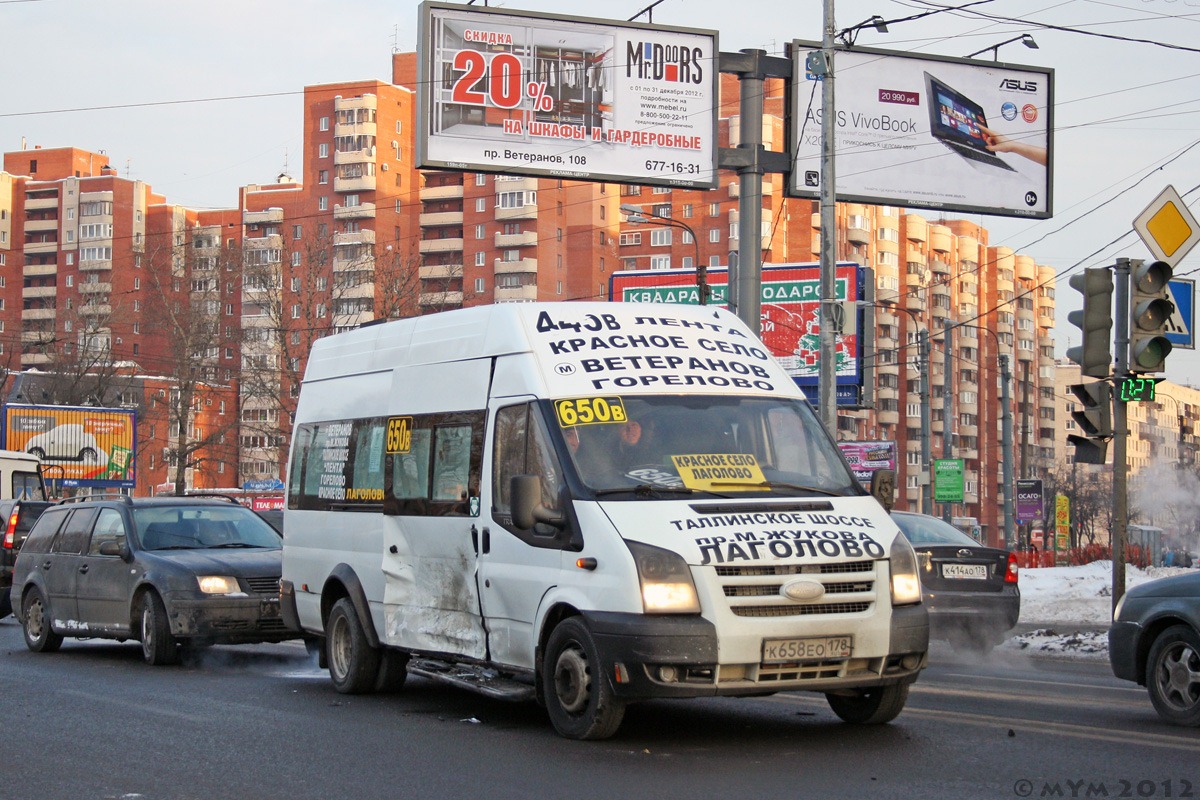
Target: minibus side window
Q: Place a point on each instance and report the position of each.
(410, 471)
(300, 447)
(368, 455)
(451, 462)
(523, 448)
(438, 471)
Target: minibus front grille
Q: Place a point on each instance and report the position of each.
(759, 590)
(798, 610)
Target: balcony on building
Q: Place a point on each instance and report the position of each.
(358, 237)
(941, 240)
(433, 219)
(34, 359)
(1025, 268)
(364, 156)
(888, 417)
(516, 294)
(523, 239)
(441, 299)
(359, 211)
(527, 211)
(37, 292)
(39, 225)
(40, 247)
(939, 266)
(40, 201)
(448, 245)
(94, 265)
(38, 338)
(95, 310)
(515, 183)
(263, 242)
(39, 270)
(361, 183)
(452, 191)
(440, 272)
(360, 124)
(916, 229)
(37, 313)
(95, 288)
(505, 267)
(265, 217)
(768, 189)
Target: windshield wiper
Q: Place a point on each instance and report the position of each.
(644, 490)
(777, 485)
(232, 544)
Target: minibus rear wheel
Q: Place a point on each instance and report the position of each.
(353, 663)
(578, 696)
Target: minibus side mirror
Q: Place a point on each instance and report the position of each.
(527, 508)
(883, 487)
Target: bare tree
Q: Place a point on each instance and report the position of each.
(184, 308)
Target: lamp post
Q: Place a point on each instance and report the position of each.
(1024, 39)
(635, 216)
(1006, 439)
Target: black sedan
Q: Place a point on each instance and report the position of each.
(970, 590)
(1155, 641)
(164, 571)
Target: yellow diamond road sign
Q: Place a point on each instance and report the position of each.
(1167, 227)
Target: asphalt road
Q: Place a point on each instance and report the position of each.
(92, 721)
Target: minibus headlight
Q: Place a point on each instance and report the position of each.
(906, 583)
(218, 584)
(667, 586)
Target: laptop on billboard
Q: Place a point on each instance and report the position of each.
(955, 120)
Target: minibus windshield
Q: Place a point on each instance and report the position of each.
(664, 445)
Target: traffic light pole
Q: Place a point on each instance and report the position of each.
(1121, 274)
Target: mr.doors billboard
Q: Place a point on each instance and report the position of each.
(78, 446)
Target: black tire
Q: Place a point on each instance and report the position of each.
(873, 706)
(39, 636)
(575, 686)
(393, 671)
(1173, 675)
(353, 663)
(159, 647)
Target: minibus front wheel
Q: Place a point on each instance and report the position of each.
(579, 697)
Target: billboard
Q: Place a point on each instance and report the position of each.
(867, 458)
(928, 132)
(78, 445)
(527, 93)
(1029, 506)
(791, 325)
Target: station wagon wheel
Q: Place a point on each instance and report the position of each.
(353, 664)
(873, 706)
(39, 636)
(578, 696)
(1173, 675)
(159, 647)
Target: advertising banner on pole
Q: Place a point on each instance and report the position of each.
(948, 480)
(1029, 500)
(866, 458)
(78, 446)
(528, 93)
(791, 326)
(928, 132)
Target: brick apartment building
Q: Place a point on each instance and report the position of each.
(92, 260)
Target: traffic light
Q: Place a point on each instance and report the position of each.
(1094, 355)
(1150, 310)
(1094, 419)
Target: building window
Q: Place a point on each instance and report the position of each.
(480, 179)
(714, 235)
(479, 232)
(479, 286)
(324, 124)
(323, 150)
(631, 238)
(322, 203)
(660, 237)
(480, 258)
(660, 262)
(480, 204)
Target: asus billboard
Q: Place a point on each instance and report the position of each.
(928, 132)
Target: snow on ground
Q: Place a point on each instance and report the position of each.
(1066, 611)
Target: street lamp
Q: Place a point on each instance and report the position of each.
(1024, 39)
(635, 216)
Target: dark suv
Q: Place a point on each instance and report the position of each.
(16, 518)
(167, 571)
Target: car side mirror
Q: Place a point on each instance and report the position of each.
(527, 507)
(883, 487)
(114, 548)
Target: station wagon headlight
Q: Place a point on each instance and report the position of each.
(667, 586)
(906, 583)
(218, 584)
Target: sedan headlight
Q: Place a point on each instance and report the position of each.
(667, 586)
(218, 584)
(906, 584)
